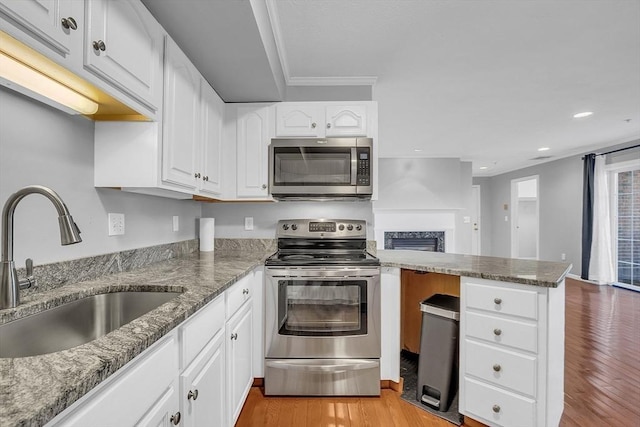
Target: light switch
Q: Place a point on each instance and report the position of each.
(248, 223)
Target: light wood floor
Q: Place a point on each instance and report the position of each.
(602, 376)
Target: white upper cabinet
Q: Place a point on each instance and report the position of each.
(346, 120)
(56, 24)
(211, 150)
(180, 135)
(319, 120)
(252, 130)
(123, 45)
(296, 119)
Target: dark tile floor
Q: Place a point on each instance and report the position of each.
(409, 371)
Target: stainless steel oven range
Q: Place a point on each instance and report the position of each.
(322, 305)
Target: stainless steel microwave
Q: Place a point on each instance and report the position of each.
(316, 168)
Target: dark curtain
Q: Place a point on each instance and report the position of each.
(587, 212)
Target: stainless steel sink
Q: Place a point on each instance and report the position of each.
(76, 323)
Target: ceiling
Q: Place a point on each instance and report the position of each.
(486, 81)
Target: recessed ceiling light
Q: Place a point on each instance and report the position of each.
(417, 150)
(483, 168)
(543, 149)
(581, 115)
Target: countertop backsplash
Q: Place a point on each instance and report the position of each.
(54, 275)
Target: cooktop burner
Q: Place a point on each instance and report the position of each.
(324, 258)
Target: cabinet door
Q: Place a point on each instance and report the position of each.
(202, 387)
(180, 133)
(346, 121)
(43, 21)
(253, 144)
(123, 45)
(212, 115)
(239, 355)
(165, 412)
(299, 120)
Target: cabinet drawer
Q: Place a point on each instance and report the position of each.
(501, 367)
(520, 335)
(238, 294)
(198, 330)
(497, 406)
(515, 302)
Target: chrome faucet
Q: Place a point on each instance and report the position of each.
(10, 285)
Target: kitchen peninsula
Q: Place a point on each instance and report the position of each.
(33, 390)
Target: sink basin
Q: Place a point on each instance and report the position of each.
(76, 323)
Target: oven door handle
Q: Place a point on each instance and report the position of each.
(332, 365)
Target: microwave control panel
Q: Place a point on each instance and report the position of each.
(364, 167)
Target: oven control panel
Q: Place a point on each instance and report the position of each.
(322, 228)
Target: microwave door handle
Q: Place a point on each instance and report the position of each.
(354, 166)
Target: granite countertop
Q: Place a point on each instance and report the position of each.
(529, 272)
(35, 389)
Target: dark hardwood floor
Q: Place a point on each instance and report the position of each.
(602, 376)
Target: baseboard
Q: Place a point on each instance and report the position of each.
(397, 387)
(580, 279)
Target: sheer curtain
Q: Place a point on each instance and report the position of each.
(601, 266)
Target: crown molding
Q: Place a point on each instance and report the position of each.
(272, 9)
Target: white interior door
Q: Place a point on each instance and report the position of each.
(475, 220)
(525, 218)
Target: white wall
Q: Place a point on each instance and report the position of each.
(41, 145)
(230, 216)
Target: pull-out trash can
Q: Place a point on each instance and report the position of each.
(438, 362)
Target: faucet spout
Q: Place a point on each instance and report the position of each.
(69, 234)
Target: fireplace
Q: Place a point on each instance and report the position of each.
(432, 241)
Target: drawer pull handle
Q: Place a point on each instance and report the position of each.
(497, 300)
(192, 394)
(175, 418)
(497, 367)
(497, 332)
(496, 408)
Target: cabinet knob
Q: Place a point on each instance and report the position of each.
(264, 186)
(99, 45)
(197, 175)
(497, 332)
(69, 23)
(193, 394)
(205, 178)
(328, 125)
(497, 367)
(496, 408)
(234, 336)
(245, 291)
(497, 300)
(313, 125)
(175, 418)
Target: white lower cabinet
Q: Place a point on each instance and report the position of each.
(511, 353)
(239, 358)
(199, 374)
(202, 389)
(140, 392)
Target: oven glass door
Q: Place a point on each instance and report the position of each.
(322, 307)
(313, 166)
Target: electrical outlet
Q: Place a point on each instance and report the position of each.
(563, 257)
(248, 223)
(116, 224)
(176, 223)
